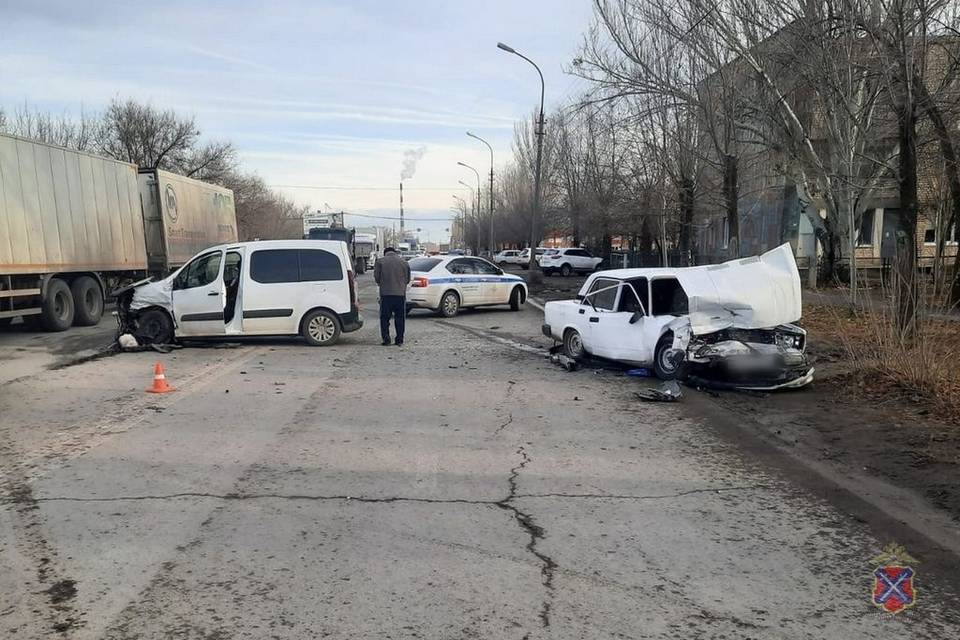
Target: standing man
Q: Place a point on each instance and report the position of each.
(392, 273)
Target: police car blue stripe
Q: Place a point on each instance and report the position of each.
(474, 279)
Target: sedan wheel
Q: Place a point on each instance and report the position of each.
(449, 304)
(573, 344)
(664, 366)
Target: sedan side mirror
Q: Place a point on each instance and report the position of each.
(636, 317)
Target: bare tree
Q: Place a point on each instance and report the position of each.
(61, 130)
(162, 139)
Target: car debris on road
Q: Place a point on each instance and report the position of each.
(730, 322)
(669, 391)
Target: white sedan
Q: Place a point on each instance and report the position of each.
(730, 323)
(445, 284)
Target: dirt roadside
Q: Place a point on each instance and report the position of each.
(841, 420)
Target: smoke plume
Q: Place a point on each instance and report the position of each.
(410, 159)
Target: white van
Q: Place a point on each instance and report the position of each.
(274, 287)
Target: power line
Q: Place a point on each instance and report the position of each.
(325, 187)
(405, 218)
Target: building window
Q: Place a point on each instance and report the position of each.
(865, 235)
(930, 235)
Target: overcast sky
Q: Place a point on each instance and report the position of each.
(312, 93)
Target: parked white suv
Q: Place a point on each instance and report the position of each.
(568, 261)
(508, 256)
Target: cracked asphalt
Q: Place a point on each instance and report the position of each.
(459, 486)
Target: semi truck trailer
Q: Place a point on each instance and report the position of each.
(74, 226)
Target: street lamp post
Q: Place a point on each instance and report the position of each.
(473, 135)
(462, 210)
(479, 197)
(538, 131)
(474, 213)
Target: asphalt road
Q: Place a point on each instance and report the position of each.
(456, 487)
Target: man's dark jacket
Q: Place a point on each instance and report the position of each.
(392, 273)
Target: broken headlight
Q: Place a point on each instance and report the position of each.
(724, 349)
(789, 341)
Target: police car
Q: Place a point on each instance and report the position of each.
(445, 284)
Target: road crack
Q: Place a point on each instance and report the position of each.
(535, 532)
(504, 425)
(16, 498)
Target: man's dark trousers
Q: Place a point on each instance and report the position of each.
(397, 307)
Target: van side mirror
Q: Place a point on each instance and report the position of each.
(636, 317)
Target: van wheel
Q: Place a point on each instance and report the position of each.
(154, 326)
(573, 344)
(87, 301)
(663, 366)
(566, 270)
(58, 309)
(320, 328)
(449, 304)
(516, 299)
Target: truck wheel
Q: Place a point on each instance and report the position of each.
(57, 305)
(87, 301)
(516, 299)
(154, 326)
(320, 328)
(361, 267)
(566, 270)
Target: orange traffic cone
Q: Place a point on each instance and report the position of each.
(160, 381)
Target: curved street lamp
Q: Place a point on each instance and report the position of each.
(538, 131)
(476, 137)
(479, 197)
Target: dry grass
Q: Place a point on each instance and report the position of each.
(925, 368)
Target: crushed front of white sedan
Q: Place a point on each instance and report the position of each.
(728, 324)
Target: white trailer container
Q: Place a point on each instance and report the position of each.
(72, 226)
(182, 217)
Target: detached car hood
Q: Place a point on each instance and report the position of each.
(748, 293)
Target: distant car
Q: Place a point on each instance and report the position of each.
(730, 323)
(446, 284)
(508, 256)
(525, 256)
(567, 261)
